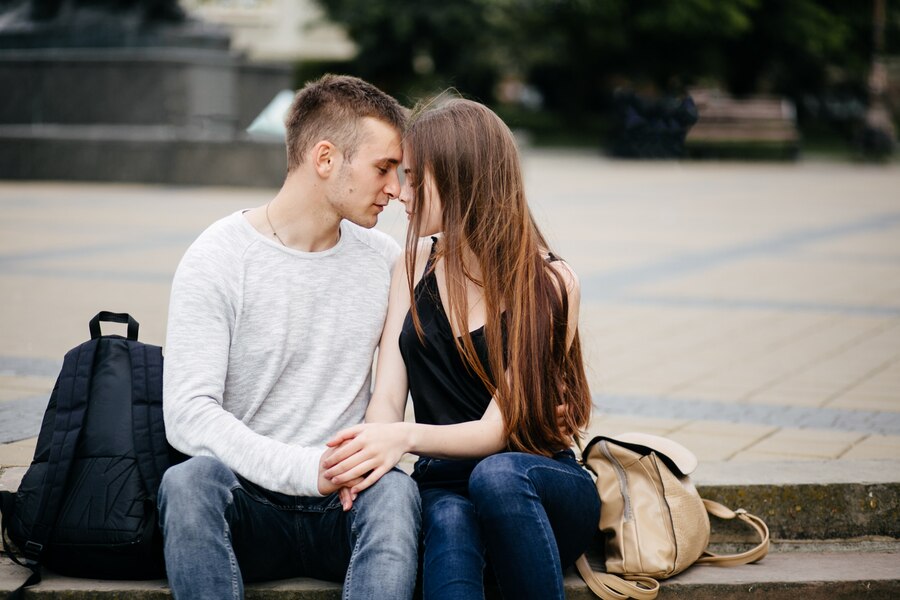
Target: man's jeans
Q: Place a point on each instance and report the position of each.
(220, 530)
(533, 516)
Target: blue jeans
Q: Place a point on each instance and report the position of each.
(220, 530)
(527, 516)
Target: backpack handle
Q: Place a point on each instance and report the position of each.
(111, 317)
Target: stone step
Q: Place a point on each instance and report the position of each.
(802, 500)
(781, 575)
(807, 500)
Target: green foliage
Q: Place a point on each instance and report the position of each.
(420, 46)
(576, 52)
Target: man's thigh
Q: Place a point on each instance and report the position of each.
(276, 536)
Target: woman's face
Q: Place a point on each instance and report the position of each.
(428, 209)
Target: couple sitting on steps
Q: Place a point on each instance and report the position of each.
(275, 316)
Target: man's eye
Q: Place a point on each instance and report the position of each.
(382, 170)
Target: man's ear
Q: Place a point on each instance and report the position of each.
(324, 157)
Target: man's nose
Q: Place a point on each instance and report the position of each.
(392, 189)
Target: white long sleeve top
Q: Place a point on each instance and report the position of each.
(269, 349)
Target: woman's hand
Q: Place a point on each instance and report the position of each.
(363, 453)
(327, 487)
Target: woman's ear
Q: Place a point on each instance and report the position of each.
(324, 157)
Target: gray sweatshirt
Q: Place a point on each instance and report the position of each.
(269, 350)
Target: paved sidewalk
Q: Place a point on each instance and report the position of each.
(750, 311)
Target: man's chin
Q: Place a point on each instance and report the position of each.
(367, 222)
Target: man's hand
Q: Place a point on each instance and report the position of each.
(365, 452)
(326, 486)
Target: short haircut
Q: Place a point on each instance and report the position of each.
(330, 108)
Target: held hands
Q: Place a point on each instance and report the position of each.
(358, 456)
(327, 487)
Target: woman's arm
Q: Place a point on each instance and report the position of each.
(573, 293)
(371, 449)
(388, 402)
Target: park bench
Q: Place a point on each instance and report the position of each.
(759, 126)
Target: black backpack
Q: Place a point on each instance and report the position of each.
(86, 507)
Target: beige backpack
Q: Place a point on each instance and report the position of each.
(653, 521)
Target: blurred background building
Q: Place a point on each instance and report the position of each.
(760, 79)
(277, 30)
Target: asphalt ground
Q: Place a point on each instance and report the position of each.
(749, 310)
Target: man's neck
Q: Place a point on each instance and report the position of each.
(298, 217)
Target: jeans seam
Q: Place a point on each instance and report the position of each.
(534, 509)
(534, 506)
(354, 553)
(232, 558)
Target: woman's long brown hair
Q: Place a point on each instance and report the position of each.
(472, 158)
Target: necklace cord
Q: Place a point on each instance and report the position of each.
(272, 227)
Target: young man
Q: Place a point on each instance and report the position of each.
(274, 318)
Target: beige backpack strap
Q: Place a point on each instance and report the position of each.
(731, 560)
(612, 587)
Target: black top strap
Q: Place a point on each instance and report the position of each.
(111, 317)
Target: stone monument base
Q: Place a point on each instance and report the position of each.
(145, 114)
(138, 154)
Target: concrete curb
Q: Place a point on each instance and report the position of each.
(807, 500)
(804, 500)
(812, 576)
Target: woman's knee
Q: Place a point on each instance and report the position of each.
(447, 513)
(498, 476)
(450, 525)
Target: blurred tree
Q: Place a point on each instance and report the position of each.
(576, 52)
(420, 46)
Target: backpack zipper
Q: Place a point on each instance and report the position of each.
(620, 474)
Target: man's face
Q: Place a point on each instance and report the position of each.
(362, 187)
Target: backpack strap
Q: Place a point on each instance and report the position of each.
(71, 407)
(105, 315)
(730, 560)
(7, 510)
(612, 587)
(151, 449)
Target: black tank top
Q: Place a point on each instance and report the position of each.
(444, 390)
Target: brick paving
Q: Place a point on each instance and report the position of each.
(750, 311)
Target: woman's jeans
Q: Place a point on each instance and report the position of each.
(533, 515)
(220, 530)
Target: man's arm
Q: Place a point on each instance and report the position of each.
(206, 296)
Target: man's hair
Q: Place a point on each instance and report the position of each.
(330, 108)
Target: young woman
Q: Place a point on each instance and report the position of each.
(482, 332)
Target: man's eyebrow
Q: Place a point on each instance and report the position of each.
(391, 161)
